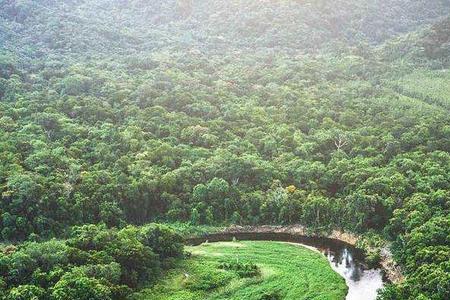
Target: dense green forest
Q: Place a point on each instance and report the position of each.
(118, 113)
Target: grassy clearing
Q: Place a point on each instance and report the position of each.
(286, 271)
(432, 87)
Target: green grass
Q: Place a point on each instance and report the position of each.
(290, 271)
(432, 87)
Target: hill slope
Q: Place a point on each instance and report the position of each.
(83, 29)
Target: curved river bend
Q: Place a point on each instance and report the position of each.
(345, 259)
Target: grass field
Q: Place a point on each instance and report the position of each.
(432, 87)
(285, 271)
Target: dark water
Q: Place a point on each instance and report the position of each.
(345, 259)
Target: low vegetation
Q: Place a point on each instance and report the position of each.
(432, 87)
(249, 270)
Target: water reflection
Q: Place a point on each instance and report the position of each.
(346, 260)
(363, 283)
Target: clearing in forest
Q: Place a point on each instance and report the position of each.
(252, 270)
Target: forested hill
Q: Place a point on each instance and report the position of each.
(332, 114)
(81, 29)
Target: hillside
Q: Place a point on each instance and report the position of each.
(85, 29)
(331, 114)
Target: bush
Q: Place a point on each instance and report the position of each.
(26, 292)
(373, 259)
(271, 296)
(163, 240)
(76, 286)
(242, 269)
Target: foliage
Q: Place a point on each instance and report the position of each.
(94, 263)
(332, 114)
(78, 286)
(243, 269)
(213, 272)
(207, 281)
(429, 86)
(26, 292)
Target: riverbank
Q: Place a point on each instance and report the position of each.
(388, 265)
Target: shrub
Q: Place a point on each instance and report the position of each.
(243, 269)
(271, 296)
(163, 240)
(76, 286)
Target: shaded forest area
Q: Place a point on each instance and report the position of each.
(216, 112)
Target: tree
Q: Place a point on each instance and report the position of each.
(139, 263)
(26, 292)
(162, 240)
(111, 214)
(76, 286)
(195, 217)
